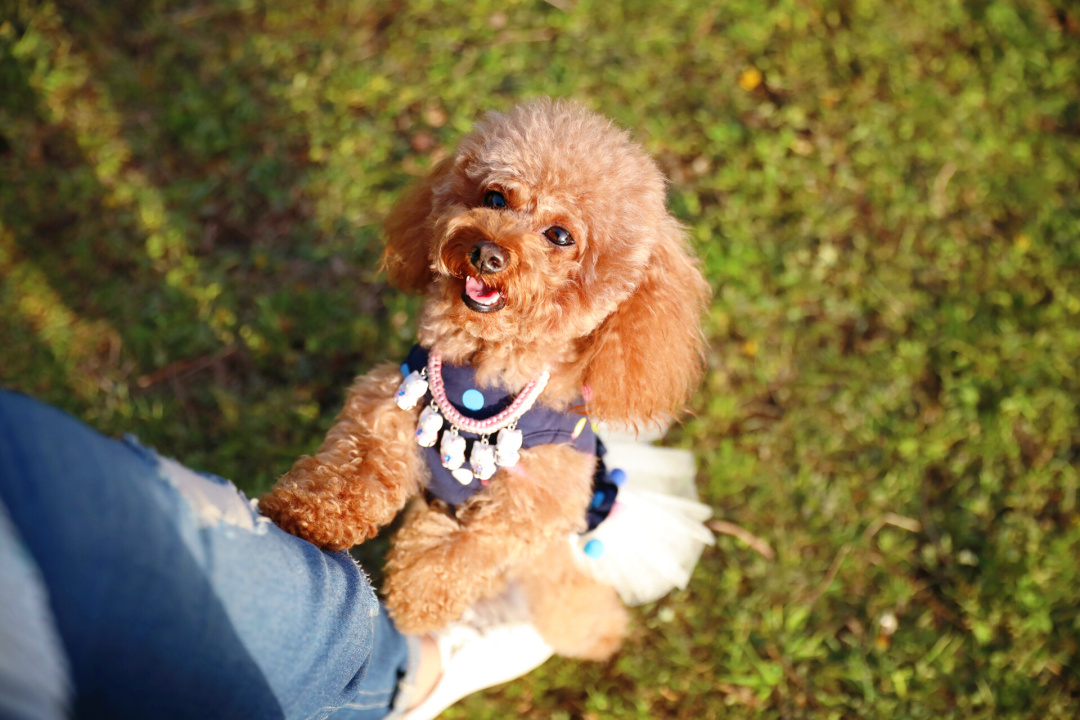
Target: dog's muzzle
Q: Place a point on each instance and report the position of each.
(486, 259)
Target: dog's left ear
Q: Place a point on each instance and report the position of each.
(646, 358)
(408, 233)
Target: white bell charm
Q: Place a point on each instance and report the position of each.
(463, 475)
(482, 460)
(507, 446)
(427, 428)
(410, 391)
(452, 450)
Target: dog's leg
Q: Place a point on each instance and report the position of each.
(576, 614)
(437, 567)
(367, 468)
(426, 584)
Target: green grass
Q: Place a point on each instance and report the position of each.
(886, 200)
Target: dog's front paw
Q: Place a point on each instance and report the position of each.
(309, 510)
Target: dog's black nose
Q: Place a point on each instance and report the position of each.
(488, 258)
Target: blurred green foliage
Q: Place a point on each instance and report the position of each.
(886, 200)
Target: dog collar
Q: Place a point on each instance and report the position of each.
(508, 417)
(484, 458)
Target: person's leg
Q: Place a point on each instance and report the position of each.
(34, 679)
(173, 598)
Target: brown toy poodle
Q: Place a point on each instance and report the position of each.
(557, 286)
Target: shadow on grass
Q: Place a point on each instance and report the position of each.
(139, 149)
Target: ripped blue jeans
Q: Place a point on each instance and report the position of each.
(132, 587)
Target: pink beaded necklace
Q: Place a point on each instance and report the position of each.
(484, 458)
(521, 404)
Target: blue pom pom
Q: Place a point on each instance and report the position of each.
(598, 499)
(472, 399)
(404, 369)
(617, 476)
(593, 549)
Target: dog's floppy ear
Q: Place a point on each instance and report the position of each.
(408, 233)
(646, 358)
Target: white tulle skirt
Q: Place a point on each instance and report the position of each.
(654, 536)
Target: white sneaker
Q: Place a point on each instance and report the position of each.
(494, 642)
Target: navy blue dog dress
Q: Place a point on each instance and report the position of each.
(540, 425)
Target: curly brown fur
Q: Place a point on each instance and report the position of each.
(367, 468)
(614, 315)
(438, 566)
(576, 614)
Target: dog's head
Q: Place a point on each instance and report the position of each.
(547, 229)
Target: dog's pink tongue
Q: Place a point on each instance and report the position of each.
(480, 292)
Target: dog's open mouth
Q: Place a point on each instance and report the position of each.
(481, 297)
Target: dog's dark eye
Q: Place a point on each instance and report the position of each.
(495, 199)
(559, 236)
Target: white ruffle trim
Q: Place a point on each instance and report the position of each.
(655, 534)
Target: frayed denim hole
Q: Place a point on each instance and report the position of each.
(211, 500)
